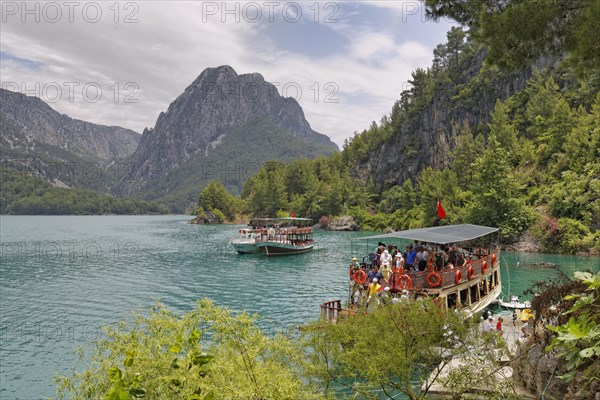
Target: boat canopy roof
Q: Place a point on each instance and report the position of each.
(439, 234)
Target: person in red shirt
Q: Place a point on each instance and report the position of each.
(499, 325)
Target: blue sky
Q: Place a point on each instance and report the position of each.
(347, 62)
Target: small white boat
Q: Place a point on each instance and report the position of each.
(514, 303)
(246, 242)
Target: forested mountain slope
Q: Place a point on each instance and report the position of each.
(515, 148)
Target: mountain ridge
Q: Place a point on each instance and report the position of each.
(33, 120)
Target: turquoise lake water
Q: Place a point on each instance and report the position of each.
(64, 277)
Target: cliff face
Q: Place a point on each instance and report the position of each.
(425, 138)
(218, 103)
(30, 127)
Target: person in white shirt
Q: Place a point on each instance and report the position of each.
(399, 261)
(488, 326)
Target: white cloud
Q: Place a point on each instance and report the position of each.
(174, 41)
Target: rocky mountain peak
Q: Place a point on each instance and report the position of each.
(217, 102)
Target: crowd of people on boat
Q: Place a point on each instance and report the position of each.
(286, 234)
(380, 293)
(388, 260)
(416, 258)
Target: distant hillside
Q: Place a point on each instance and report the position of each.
(21, 194)
(36, 139)
(221, 122)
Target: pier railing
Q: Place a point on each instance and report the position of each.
(331, 309)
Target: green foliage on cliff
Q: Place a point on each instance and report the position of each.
(526, 160)
(21, 194)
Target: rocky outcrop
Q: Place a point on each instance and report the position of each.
(425, 137)
(206, 218)
(343, 223)
(538, 371)
(526, 243)
(218, 102)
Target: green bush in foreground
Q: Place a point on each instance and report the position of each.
(208, 353)
(212, 353)
(578, 340)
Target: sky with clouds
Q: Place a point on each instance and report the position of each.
(122, 63)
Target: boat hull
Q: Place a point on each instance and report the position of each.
(485, 301)
(280, 249)
(245, 247)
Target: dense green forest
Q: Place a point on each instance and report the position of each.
(532, 165)
(21, 194)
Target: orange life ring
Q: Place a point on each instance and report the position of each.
(483, 267)
(493, 258)
(294, 230)
(403, 282)
(360, 276)
(432, 283)
(458, 276)
(309, 230)
(470, 272)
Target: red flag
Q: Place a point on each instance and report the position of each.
(441, 212)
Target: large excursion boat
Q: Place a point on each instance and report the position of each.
(275, 236)
(461, 269)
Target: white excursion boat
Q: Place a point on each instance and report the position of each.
(469, 285)
(275, 236)
(514, 303)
